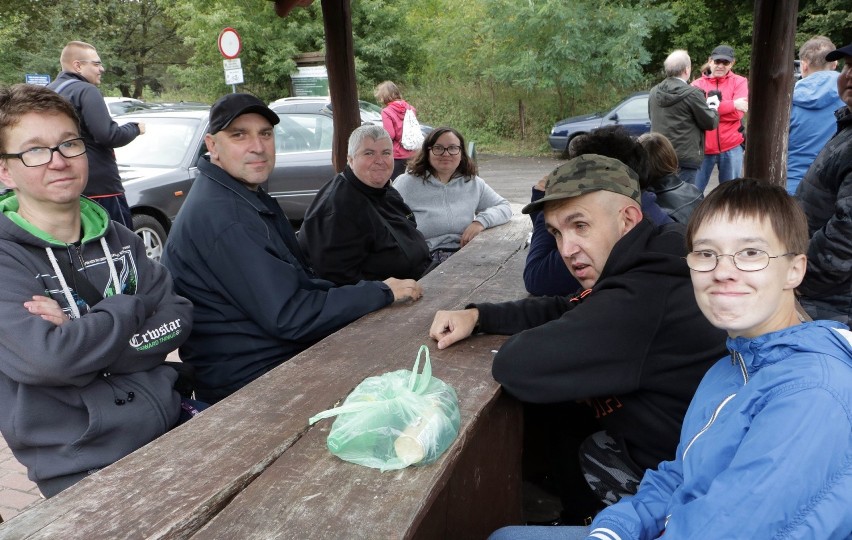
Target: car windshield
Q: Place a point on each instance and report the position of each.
(164, 144)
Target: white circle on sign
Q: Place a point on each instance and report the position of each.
(229, 43)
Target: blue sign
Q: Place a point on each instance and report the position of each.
(38, 78)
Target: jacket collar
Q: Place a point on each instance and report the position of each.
(769, 349)
(221, 177)
(369, 191)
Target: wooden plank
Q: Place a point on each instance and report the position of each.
(173, 486)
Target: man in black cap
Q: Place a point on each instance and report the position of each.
(233, 252)
(613, 367)
(726, 92)
(826, 197)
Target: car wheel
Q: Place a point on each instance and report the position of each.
(152, 234)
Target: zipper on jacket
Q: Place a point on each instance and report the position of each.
(708, 424)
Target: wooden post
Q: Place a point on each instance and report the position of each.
(770, 89)
(340, 64)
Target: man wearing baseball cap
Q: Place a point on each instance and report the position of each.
(618, 361)
(726, 92)
(233, 253)
(826, 197)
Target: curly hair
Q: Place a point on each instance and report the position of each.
(419, 164)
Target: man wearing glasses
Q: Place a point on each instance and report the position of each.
(726, 92)
(88, 318)
(81, 75)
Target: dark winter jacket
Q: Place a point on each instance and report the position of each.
(346, 240)
(392, 117)
(100, 133)
(680, 112)
(730, 131)
(826, 196)
(233, 252)
(677, 198)
(634, 347)
(59, 385)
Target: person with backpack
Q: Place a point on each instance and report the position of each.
(394, 120)
(78, 83)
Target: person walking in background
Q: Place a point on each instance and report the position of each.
(680, 112)
(727, 92)
(825, 194)
(393, 113)
(450, 202)
(815, 99)
(81, 75)
(676, 197)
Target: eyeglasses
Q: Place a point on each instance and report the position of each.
(96, 63)
(747, 260)
(41, 155)
(723, 62)
(439, 150)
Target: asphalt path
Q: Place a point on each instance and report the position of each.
(513, 177)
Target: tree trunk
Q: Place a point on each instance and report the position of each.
(770, 89)
(340, 64)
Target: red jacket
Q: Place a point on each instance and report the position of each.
(728, 134)
(392, 116)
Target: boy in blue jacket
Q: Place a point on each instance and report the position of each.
(766, 445)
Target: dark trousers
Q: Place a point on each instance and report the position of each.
(117, 208)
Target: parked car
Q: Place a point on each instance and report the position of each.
(370, 112)
(159, 167)
(632, 113)
(124, 105)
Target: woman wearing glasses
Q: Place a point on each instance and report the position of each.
(450, 202)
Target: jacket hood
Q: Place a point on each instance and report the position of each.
(817, 91)
(399, 106)
(94, 221)
(829, 338)
(658, 253)
(671, 91)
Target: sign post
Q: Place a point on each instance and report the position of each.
(230, 47)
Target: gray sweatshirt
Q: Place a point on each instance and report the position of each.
(443, 211)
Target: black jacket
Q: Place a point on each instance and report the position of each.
(677, 198)
(346, 240)
(100, 133)
(635, 347)
(680, 112)
(826, 196)
(233, 253)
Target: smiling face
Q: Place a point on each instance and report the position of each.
(747, 304)
(89, 66)
(720, 67)
(57, 183)
(372, 162)
(445, 164)
(587, 227)
(245, 149)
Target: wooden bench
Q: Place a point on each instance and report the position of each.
(251, 467)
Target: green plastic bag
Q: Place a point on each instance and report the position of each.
(395, 420)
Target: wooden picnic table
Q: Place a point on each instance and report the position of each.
(251, 467)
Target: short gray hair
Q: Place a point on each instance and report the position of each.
(369, 131)
(677, 62)
(814, 50)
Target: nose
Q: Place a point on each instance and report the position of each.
(567, 248)
(57, 160)
(725, 267)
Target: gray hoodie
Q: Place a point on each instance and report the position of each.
(79, 396)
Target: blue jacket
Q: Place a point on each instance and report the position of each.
(765, 451)
(256, 303)
(812, 122)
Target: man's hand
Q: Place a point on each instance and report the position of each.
(741, 104)
(46, 308)
(141, 126)
(471, 231)
(449, 327)
(404, 289)
(541, 184)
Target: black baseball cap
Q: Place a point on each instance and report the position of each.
(722, 52)
(230, 106)
(837, 54)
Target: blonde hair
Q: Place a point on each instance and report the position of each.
(71, 52)
(387, 92)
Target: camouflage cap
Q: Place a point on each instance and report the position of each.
(585, 174)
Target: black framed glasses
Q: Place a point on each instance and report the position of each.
(96, 63)
(439, 149)
(41, 155)
(747, 260)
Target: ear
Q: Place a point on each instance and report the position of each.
(631, 215)
(349, 160)
(210, 141)
(6, 174)
(796, 271)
